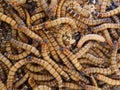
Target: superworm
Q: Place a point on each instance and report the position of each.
(113, 58)
(22, 28)
(72, 86)
(37, 10)
(94, 59)
(110, 13)
(104, 71)
(89, 87)
(32, 60)
(105, 26)
(53, 8)
(16, 3)
(28, 22)
(2, 74)
(18, 56)
(60, 4)
(55, 22)
(72, 58)
(21, 81)
(84, 49)
(5, 61)
(40, 77)
(50, 46)
(26, 47)
(100, 54)
(51, 83)
(37, 16)
(49, 60)
(107, 79)
(89, 22)
(42, 87)
(57, 48)
(34, 68)
(102, 48)
(74, 74)
(32, 83)
(93, 80)
(90, 37)
(21, 12)
(105, 32)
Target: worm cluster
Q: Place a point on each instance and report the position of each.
(59, 44)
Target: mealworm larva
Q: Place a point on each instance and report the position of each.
(84, 49)
(34, 68)
(52, 83)
(110, 13)
(21, 12)
(93, 80)
(114, 33)
(32, 82)
(18, 56)
(16, 2)
(37, 16)
(89, 87)
(105, 71)
(53, 8)
(48, 67)
(116, 19)
(37, 10)
(108, 37)
(50, 46)
(86, 61)
(21, 81)
(72, 86)
(8, 47)
(105, 26)
(22, 37)
(5, 61)
(8, 20)
(22, 28)
(45, 7)
(49, 60)
(90, 37)
(107, 79)
(2, 74)
(72, 58)
(42, 87)
(60, 4)
(103, 6)
(57, 48)
(87, 21)
(114, 66)
(39, 77)
(93, 58)
(28, 22)
(105, 32)
(31, 59)
(102, 48)
(60, 34)
(28, 32)
(25, 46)
(74, 74)
(2, 86)
(55, 22)
(82, 11)
(99, 53)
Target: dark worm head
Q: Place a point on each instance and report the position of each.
(29, 57)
